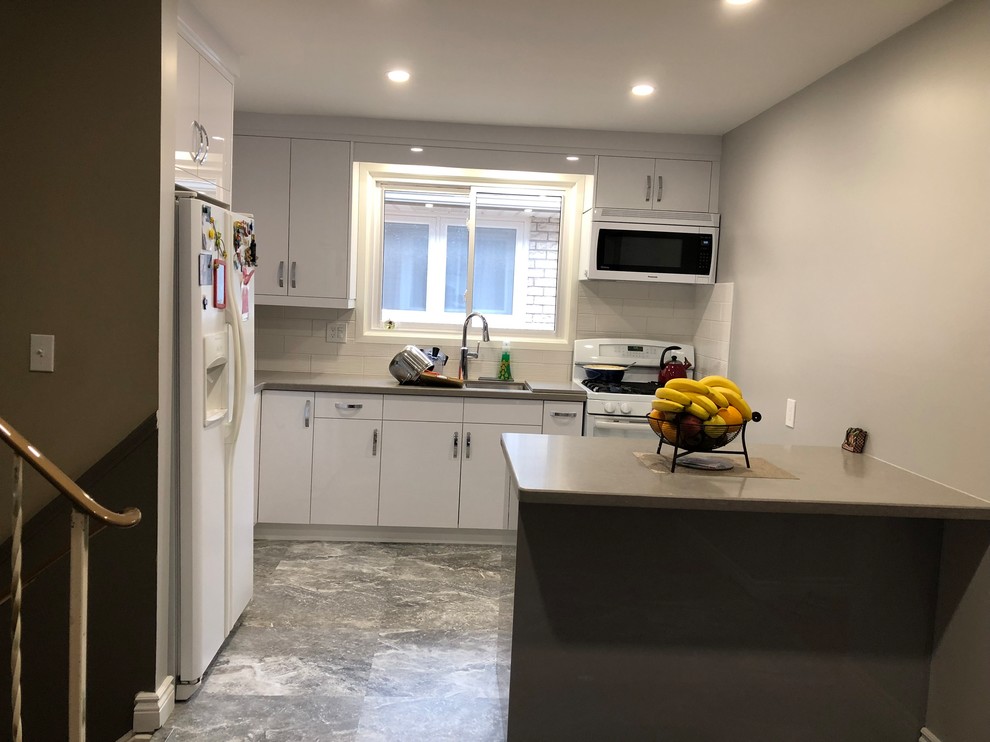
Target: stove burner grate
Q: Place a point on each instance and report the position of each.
(629, 387)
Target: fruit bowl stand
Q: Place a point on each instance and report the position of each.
(687, 435)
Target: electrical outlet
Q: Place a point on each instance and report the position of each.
(336, 332)
(789, 414)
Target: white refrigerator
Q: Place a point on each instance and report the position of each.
(215, 253)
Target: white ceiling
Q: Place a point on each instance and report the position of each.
(558, 63)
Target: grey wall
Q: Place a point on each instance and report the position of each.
(853, 229)
(79, 204)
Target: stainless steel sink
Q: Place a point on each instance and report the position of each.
(496, 385)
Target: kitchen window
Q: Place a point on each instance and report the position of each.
(438, 250)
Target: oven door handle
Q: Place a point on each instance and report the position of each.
(615, 425)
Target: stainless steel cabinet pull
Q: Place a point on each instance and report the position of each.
(649, 188)
(343, 406)
(467, 446)
(374, 443)
(455, 445)
(199, 142)
(306, 411)
(563, 414)
(659, 188)
(292, 274)
(281, 274)
(206, 144)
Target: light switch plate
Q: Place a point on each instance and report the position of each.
(43, 353)
(789, 414)
(336, 332)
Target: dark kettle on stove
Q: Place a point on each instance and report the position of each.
(672, 369)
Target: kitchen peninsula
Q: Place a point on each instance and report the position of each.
(688, 606)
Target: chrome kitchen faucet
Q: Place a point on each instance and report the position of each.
(464, 349)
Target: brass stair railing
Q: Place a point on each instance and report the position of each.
(84, 508)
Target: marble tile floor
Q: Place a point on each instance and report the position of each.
(361, 642)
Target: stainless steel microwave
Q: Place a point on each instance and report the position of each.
(669, 247)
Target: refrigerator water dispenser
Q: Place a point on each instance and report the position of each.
(215, 390)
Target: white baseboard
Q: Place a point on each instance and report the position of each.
(927, 735)
(394, 534)
(151, 710)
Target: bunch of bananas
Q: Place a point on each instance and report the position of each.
(706, 413)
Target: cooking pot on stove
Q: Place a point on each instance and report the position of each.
(673, 369)
(611, 373)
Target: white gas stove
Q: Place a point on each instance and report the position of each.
(619, 409)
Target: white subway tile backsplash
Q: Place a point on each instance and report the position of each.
(339, 365)
(282, 362)
(621, 290)
(585, 322)
(647, 308)
(312, 344)
(294, 338)
(318, 313)
(607, 324)
(300, 327)
(269, 343)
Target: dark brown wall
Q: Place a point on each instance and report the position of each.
(79, 208)
(80, 186)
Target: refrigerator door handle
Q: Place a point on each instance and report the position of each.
(374, 443)
(281, 274)
(306, 410)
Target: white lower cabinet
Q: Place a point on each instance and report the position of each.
(286, 457)
(482, 483)
(346, 470)
(394, 459)
(421, 464)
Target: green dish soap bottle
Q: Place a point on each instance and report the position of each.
(504, 370)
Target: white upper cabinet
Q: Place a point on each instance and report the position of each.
(299, 193)
(204, 124)
(319, 237)
(261, 187)
(653, 184)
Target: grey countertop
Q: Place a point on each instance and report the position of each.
(604, 471)
(342, 383)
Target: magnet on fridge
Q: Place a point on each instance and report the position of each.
(205, 269)
(219, 285)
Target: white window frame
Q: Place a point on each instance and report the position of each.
(370, 182)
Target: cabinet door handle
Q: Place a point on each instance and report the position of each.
(455, 445)
(467, 446)
(199, 141)
(306, 411)
(649, 188)
(343, 406)
(206, 144)
(281, 274)
(659, 188)
(374, 443)
(563, 414)
(292, 274)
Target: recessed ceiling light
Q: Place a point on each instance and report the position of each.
(738, 2)
(415, 149)
(398, 76)
(643, 89)
(573, 158)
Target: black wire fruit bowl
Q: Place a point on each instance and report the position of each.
(689, 434)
